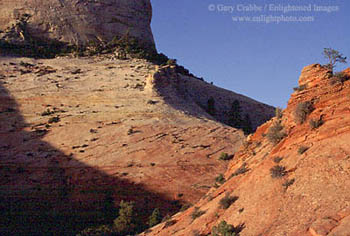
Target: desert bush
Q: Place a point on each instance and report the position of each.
(278, 113)
(93, 131)
(226, 201)
(275, 133)
(288, 183)
(302, 149)
(130, 45)
(155, 218)
(277, 159)
(339, 77)
(130, 131)
(47, 112)
(171, 62)
(54, 119)
(133, 47)
(196, 213)
(94, 48)
(220, 179)
(182, 70)
(278, 171)
(300, 88)
(314, 124)
(302, 110)
(240, 170)
(166, 218)
(100, 230)
(185, 206)
(224, 229)
(225, 156)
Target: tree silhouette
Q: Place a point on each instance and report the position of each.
(211, 106)
(235, 119)
(333, 57)
(247, 125)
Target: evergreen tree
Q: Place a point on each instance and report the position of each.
(125, 222)
(211, 106)
(247, 125)
(333, 57)
(235, 119)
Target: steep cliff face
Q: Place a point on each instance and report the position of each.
(81, 21)
(295, 186)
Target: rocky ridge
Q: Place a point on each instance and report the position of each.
(297, 186)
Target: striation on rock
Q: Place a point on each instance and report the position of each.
(308, 194)
(313, 74)
(78, 135)
(79, 21)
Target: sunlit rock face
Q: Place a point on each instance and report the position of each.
(81, 21)
(298, 186)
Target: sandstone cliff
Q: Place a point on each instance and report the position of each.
(298, 185)
(77, 135)
(81, 21)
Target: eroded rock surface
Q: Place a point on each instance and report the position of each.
(299, 186)
(78, 135)
(81, 21)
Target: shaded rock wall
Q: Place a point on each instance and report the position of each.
(192, 95)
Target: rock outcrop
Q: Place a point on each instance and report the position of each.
(81, 21)
(299, 186)
(77, 136)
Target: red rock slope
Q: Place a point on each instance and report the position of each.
(79, 135)
(308, 194)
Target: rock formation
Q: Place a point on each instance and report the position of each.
(78, 135)
(194, 96)
(297, 186)
(81, 21)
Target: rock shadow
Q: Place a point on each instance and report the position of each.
(46, 192)
(200, 99)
